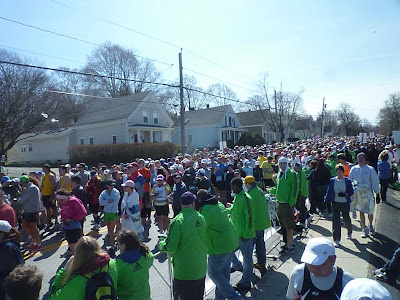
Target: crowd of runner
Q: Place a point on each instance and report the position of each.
(218, 202)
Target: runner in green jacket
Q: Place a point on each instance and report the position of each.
(133, 266)
(222, 241)
(261, 219)
(242, 214)
(186, 240)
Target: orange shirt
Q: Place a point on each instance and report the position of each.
(346, 170)
(146, 175)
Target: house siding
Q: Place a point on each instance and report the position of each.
(102, 135)
(202, 137)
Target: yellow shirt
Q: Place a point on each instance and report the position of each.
(261, 159)
(61, 184)
(47, 186)
(267, 165)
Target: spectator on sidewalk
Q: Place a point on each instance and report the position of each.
(317, 277)
(365, 289)
(286, 191)
(242, 214)
(366, 178)
(186, 241)
(391, 270)
(23, 283)
(261, 220)
(221, 241)
(339, 192)
(384, 174)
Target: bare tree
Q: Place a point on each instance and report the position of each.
(116, 61)
(348, 119)
(389, 114)
(279, 109)
(25, 105)
(221, 90)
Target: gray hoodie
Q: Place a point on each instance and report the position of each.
(30, 199)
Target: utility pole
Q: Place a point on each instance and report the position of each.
(276, 118)
(182, 105)
(322, 118)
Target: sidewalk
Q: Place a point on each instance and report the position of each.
(358, 256)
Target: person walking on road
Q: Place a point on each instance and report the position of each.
(177, 191)
(391, 270)
(317, 277)
(130, 209)
(384, 174)
(261, 220)
(242, 214)
(159, 195)
(31, 205)
(48, 189)
(340, 190)
(305, 217)
(221, 241)
(109, 199)
(286, 191)
(186, 241)
(367, 184)
(93, 190)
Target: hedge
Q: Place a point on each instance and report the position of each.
(117, 153)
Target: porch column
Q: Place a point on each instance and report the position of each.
(151, 136)
(138, 136)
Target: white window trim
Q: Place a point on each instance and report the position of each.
(158, 117)
(23, 148)
(30, 147)
(145, 113)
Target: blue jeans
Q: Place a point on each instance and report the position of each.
(219, 271)
(246, 247)
(260, 247)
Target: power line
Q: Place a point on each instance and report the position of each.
(227, 82)
(217, 96)
(36, 53)
(85, 73)
(146, 35)
(73, 38)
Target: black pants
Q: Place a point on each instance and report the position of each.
(189, 289)
(392, 267)
(384, 187)
(301, 207)
(337, 208)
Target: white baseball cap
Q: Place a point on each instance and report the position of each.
(5, 226)
(317, 251)
(129, 183)
(364, 288)
(283, 159)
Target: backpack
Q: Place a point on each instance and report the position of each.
(100, 286)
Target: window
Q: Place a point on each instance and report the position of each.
(230, 122)
(145, 117)
(114, 139)
(91, 140)
(23, 148)
(82, 141)
(30, 147)
(226, 123)
(155, 117)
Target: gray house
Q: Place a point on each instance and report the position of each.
(208, 127)
(134, 118)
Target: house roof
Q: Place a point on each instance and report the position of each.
(252, 118)
(100, 110)
(206, 116)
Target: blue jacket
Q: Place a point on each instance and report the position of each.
(105, 196)
(330, 193)
(10, 257)
(383, 169)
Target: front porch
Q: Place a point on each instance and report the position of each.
(149, 134)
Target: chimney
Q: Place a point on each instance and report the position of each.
(207, 105)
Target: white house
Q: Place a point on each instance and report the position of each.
(208, 127)
(134, 118)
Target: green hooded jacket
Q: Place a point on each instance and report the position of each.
(286, 189)
(242, 214)
(221, 235)
(186, 241)
(74, 288)
(261, 211)
(302, 183)
(133, 275)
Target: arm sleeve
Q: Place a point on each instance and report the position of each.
(171, 243)
(374, 181)
(102, 200)
(295, 189)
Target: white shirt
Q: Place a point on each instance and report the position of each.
(365, 175)
(322, 283)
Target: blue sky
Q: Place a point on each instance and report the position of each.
(345, 51)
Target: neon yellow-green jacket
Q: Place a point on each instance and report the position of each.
(242, 214)
(261, 211)
(286, 189)
(302, 183)
(186, 241)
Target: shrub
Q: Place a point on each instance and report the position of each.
(251, 139)
(117, 153)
